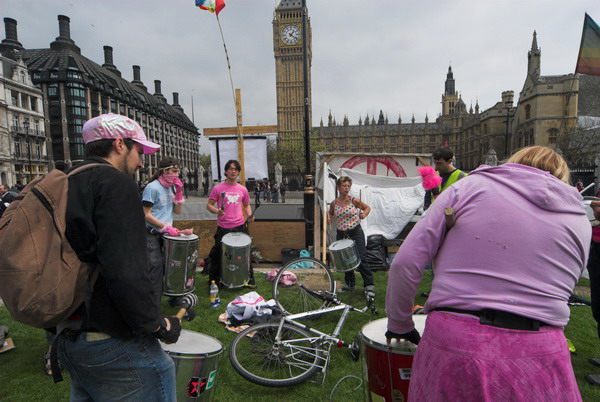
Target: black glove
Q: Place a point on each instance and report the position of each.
(172, 335)
(412, 336)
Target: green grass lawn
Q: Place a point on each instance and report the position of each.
(22, 377)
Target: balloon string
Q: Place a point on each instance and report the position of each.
(230, 77)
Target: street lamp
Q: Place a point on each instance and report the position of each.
(28, 141)
(508, 105)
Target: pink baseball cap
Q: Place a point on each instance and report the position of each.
(112, 126)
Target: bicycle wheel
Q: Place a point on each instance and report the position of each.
(260, 359)
(313, 278)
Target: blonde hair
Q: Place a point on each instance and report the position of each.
(543, 158)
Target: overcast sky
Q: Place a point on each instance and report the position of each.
(367, 54)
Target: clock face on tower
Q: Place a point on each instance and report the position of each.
(290, 35)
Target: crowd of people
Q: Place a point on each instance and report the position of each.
(270, 192)
(497, 308)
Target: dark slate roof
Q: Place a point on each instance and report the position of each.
(589, 96)
(104, 81)
(8, 66)
(289, 5)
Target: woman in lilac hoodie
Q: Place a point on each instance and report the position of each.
(503, 275)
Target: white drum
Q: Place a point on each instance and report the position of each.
(344, 255)
(196, 357)
(235, 259)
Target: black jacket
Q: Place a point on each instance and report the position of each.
(105, 225)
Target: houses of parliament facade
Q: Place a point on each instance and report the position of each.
(545, 107)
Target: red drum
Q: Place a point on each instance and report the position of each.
(388, 368)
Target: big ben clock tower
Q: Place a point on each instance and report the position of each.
(287, 45)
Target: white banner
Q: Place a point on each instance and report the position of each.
(255, 156)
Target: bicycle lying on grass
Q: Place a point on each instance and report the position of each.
(289, 352)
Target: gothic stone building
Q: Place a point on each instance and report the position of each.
(547, 106)
(76, 89)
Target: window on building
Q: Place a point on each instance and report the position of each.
(38, 149)
(15, 121)
(485, 129)
(33, 103)
(24, 102)
(23, 77)
(74, 74)
(14, 98)
(552, 135)
(527, 112)
(380, 140)
(17, 147)
(52, 90)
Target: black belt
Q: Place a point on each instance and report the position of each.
(153, 231)
(500, 319)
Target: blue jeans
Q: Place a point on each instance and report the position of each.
(117, 370)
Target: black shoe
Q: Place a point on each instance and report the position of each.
(346, 288)
(251, 284)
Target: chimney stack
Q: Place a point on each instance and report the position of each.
(64, 41)
(11, 42)
(108, 56)
(157, 91)
(64, 28)
(175, 99)
(108, 60)
(136, 74)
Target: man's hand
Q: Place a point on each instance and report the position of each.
(412, 336)
(169, 330)
(596, 208)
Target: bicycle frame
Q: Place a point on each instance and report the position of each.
(327, 340)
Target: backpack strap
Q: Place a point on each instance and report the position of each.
(80, 169)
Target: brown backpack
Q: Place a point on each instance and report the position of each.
(42, 281)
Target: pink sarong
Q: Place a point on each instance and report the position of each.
(460, 359)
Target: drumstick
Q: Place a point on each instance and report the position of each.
(360, 202)
(187, 302)
(223, 201)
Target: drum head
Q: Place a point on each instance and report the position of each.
(191, 237)
(237, 239)
(588, 209)
(193, 343)
(373, 334)
(341, 244)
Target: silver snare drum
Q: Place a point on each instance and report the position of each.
(181, 259)
(345, 255)
(235, 259)
(196, 357)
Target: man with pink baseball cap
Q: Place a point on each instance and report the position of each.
(105, 226)
(113, 126)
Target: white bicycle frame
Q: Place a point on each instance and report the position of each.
(327, 340)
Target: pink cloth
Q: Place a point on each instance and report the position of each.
(460, 359)
(519, 244)
(235, 197)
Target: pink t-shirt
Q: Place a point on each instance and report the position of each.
(235, 197)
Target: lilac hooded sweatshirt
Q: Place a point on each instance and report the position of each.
(519, 244)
